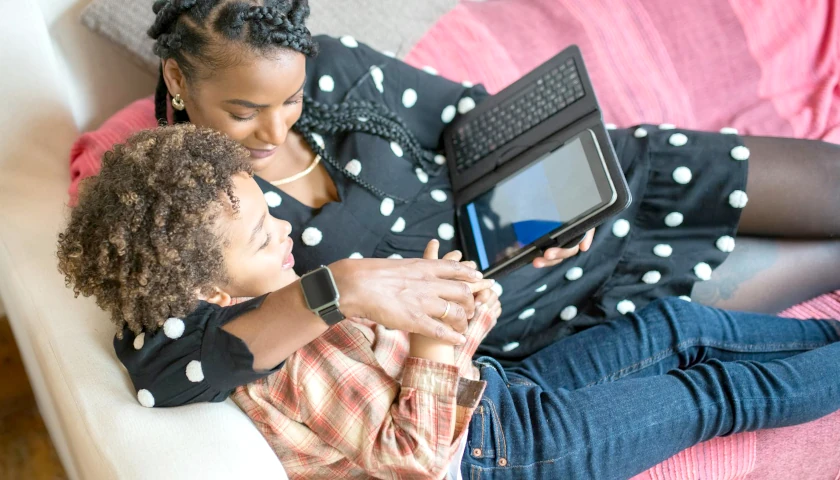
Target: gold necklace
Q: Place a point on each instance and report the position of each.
(298, 175)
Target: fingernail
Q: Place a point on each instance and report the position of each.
(478, 304)
(477, 274)
(462, 340)
(492, 281)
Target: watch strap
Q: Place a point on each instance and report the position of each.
(331, 315)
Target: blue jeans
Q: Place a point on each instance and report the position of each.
(622, 396)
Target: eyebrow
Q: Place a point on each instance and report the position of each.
(257, 229)
(247, 104)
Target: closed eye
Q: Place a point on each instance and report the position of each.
(267, 241)
(243, 119)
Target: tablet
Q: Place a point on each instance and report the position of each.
(549, 202)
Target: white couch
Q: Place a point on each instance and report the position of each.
(57, 80)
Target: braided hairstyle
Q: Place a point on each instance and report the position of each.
(196, 32)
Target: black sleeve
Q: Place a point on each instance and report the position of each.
(190, 360)
(426, 101)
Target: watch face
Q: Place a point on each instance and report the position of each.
(319, 288)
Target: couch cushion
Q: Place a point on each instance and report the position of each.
(376, 22)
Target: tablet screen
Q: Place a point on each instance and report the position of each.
(535, 201)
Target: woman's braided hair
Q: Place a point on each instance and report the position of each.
(142, 239)
(199, 32)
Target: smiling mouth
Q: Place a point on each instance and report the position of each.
(289, 260)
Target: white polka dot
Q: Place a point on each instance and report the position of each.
(725, 244)
(311, 236)
(674, 219)
(389, 53)
(448, 113)
(729, 131)
(319, 140)
(421, 175)
(438, 195)
(430, 70)
(409, 97)
(467, 84)
(625, 306)
(349, 41)
(273, 199)
(356, 256)
(139, 341)
(527, 313)
(678, 139)
(510, 346)
(326, 83)
(387, 206)
(682, 175)
(541, 288)
(640, 133)
(611, 126)
(685, 298)
(398, 226)
(395, 256)
(173, 328)
(740, 153)
(667, 126)
(363, 119)
(440, 159)
(651, 277)
(194, 372)
(145, 398)
(703, 271)
(397, 149)
(353, 167)
(621, 228)
(465, 105)
(568, 313)
(574, 273)
(663, 250)
(488, 223)
(378, 77)
(446, 231)
(497, 288)
(738, 199)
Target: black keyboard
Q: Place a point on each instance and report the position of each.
(493, 129)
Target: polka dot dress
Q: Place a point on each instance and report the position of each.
(688, 194)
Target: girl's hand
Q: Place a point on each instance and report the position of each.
(555, 255)
(411, 294)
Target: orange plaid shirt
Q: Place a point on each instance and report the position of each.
(353, 404)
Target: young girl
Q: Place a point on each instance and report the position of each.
(175, 231)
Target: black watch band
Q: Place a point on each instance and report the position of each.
(321, 295)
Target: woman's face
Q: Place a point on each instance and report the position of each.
(255, 102)
(257, 249)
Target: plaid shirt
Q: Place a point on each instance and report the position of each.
(353, 404)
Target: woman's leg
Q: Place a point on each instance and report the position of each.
(670, 334)
(616, 429)
(794, 194)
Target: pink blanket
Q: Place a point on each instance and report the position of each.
(766, 67)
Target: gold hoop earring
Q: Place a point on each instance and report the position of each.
(177, 103)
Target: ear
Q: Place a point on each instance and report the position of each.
(219, 297)
(175, 80)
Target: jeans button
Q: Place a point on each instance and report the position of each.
(476, 452)
(502, 462)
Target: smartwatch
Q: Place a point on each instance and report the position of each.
(321, 295)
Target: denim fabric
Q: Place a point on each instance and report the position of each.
(620, 397)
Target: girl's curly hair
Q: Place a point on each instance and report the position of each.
(142, 239)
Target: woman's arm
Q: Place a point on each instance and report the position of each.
(405, 294)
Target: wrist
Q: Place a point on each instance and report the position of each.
(346, 281)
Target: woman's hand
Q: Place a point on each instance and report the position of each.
(411, 294)
(555, 255)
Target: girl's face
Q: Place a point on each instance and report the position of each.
(257, 248)
(255, 102)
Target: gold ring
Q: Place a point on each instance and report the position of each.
(445, 312)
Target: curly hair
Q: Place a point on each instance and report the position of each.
(202, 36)
(142, 239)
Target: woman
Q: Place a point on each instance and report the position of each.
(345, 147)
(363, 401)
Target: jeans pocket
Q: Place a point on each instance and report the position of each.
(484, 432)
